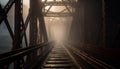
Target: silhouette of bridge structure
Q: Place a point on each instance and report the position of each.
(93, 39)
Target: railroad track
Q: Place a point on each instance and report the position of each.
(60, 58)
(65, 56)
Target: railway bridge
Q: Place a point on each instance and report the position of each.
(92, 40)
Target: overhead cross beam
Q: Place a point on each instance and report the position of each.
(65, 12)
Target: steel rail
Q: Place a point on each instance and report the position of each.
(72, 57)
(91, 60)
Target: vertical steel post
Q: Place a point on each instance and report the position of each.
(41, 21)
(104, 23)
(33, 30)
(33, 23)
(17, 40)
(18, 25)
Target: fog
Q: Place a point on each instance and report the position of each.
(58, 28)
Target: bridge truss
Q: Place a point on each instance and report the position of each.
(67, 8)
(37, 33)
(38, 44)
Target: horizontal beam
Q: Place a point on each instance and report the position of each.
(58, 3)
(57, 14)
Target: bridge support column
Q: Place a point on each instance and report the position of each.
(42, 22)
(36, 30)
(17, 40)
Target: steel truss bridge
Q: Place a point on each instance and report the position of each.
(38, 40)
(34, 55)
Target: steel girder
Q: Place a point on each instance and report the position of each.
(68, 4)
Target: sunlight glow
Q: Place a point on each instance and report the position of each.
(58, 28)
(26, 2)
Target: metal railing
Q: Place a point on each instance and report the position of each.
(19, 55)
